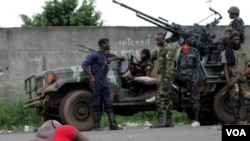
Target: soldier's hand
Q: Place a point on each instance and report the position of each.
(92, 80)
(121, 58)
(229, 84)
(243, 79)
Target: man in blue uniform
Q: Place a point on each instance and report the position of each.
(96, 67)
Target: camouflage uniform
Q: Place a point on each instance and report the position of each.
(146, 68)
(188, 68)
(165, 76)
(237, 25)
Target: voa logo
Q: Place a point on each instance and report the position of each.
(236, 132)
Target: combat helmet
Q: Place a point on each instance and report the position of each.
(234, 9)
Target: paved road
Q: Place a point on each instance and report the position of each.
(177, 133)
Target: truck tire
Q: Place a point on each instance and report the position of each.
(75, 109)
(223, 110)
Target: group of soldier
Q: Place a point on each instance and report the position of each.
(176, 64)
(182, 64)
(179, 64)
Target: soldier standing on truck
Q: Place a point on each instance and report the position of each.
(234, 61)
(187, 72)
(164, 80)
(237, 24)
(98, 63)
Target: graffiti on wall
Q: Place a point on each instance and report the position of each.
(129, 42)
(133, 46)
(135, 52)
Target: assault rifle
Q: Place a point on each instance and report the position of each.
(90, 50)
(233, 81)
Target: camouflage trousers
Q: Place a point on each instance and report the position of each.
(163, 96)
(244, 89)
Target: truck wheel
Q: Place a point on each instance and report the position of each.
(75, 109)
(223, 109)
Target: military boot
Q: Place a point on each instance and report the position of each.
(169, 122)
(160, 122)
(112, 121)
(96, 118)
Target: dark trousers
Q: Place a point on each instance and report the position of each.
(194, 93)
(102, 95)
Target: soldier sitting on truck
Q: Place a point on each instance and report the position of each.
(141, 70)
(144, 66)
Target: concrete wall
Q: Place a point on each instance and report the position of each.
(28, 51)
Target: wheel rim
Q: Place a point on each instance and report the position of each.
(75, 109)
(81, 111)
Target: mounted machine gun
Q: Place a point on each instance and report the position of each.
(204, 34)
(160, 22)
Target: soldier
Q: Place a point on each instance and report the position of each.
(52, 130)
(164, 80)
(237, 24)
(234, 62)
(97, 73)
(187, 68)
(145, 65)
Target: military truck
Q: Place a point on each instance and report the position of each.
(64, 93)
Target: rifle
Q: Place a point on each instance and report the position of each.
(90, 49)
(233, 81)
(160, 22)
(108, 54)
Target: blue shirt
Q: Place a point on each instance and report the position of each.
(99, 68)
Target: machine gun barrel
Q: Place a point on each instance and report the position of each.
(159, 22)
